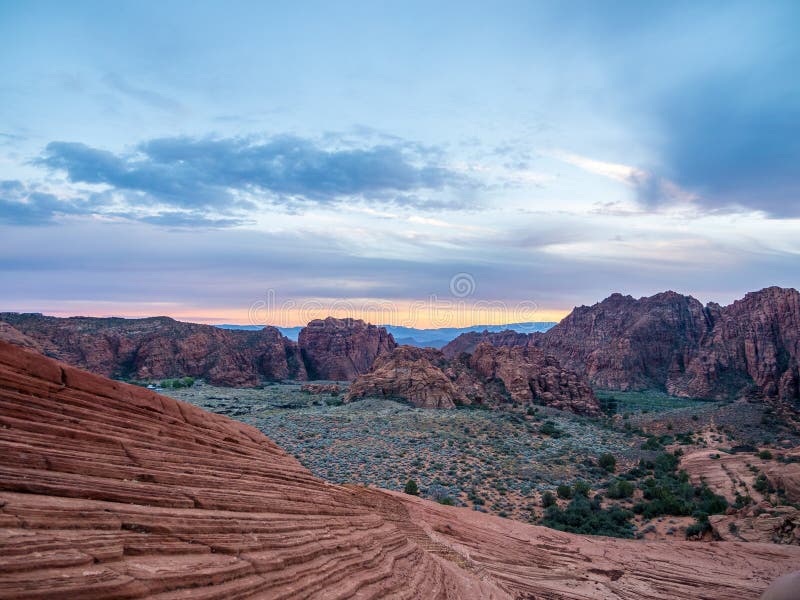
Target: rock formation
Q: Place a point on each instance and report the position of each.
(411, 374)
(160, 347)
(13, 336)
(531, 377)
(111, 491)
(627, 344)
(342, 349)
(467, 342)
(321, 388)
(671, 342)
(753, 343)
(490, 376)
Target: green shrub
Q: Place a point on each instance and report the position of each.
(548, 499)
(608, 462)
(564, 491)
(586, 516)
(581, 488)
(765, 455)
(549, 428)
(620, 488)
(411, 488)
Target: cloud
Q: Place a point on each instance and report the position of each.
(734, 140)
(226, 174)
(21, 204)
(145, 96)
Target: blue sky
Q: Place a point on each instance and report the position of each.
(186, 158)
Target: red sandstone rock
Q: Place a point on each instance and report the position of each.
(467, 342)
(627, 344)
(111, 491)
(160, 347)
(533, 378)
(491, 376)
(342, 349)
(411, 374)
(753, 343)
(13, 336)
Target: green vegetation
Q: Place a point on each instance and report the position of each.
(548, 499)
(549, 428)
(765, 455)
(564, 491)
(183, 382)
(411, 488)
(644, 401)
(669, 492)
(586, 516)
(608, 462)
(620, 488)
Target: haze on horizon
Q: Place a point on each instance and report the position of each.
(191, 159)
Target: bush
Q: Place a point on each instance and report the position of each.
(581, 488)
(620, 488)
(765, 455)
(564, 491)
(548, 499)
(608, 462)
(586, 516)
(549, 428)
(411, 488)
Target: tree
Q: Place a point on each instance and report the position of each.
(411, 488)
(564, 491)
(608, 462)
(548, 499)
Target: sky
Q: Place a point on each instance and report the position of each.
(413, 163)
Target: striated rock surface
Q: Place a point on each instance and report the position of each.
(534, 562)
(342, 349)
(111, 491)
(160, 347)
(759, 523)
(321, 388)
(490, 376)
(411, 374)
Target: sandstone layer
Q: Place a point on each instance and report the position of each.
(342, 349)
(112, 491)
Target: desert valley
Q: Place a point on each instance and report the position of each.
(502, 465)
(399, 300)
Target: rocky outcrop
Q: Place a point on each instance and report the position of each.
(531, 377)
(13, 336)
(490, 376)
(321, 388)
(467, 342)
(626, 344)
(758, 523)
(111, 491)
(671, 342)
(411, 374)
(342, 349)
(160, 347)
(752, 347)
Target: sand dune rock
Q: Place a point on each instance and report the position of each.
(111, 491)
(342, 349)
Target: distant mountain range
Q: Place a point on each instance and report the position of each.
(421, 338)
